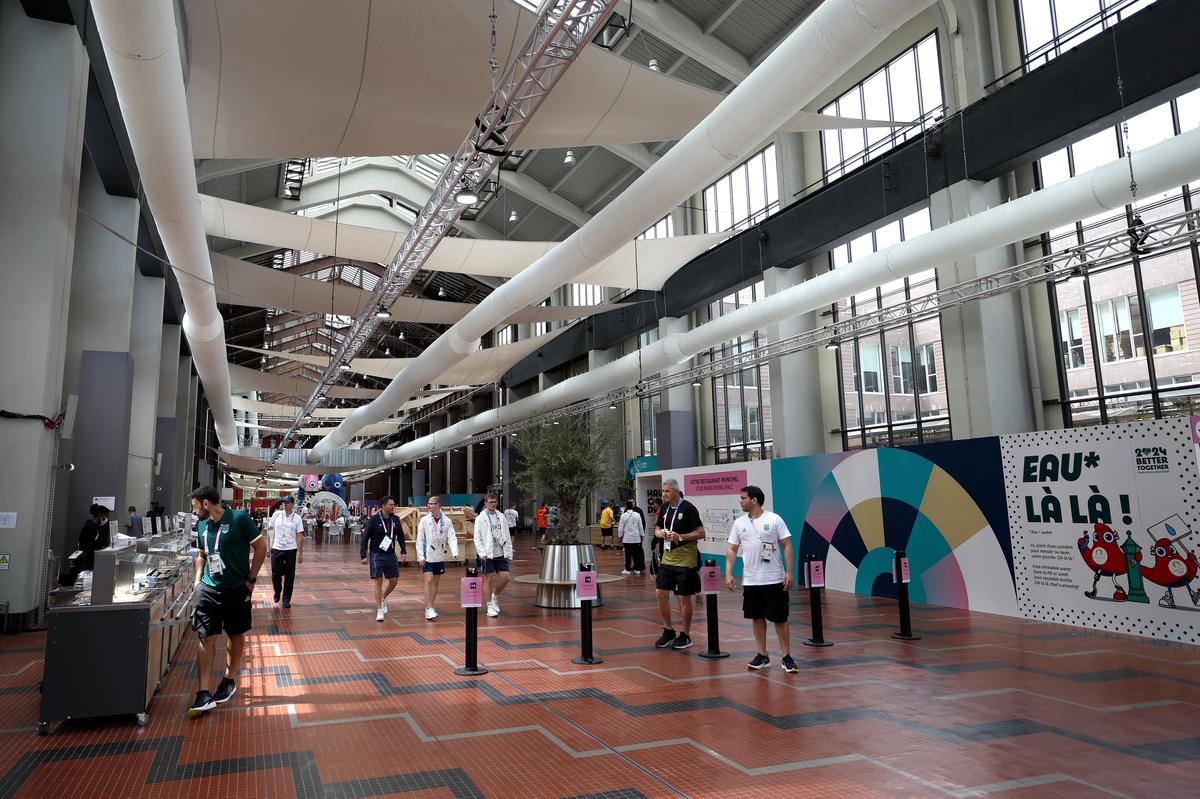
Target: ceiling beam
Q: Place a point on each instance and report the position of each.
(720, 18)
(672, 26)
(530, 189)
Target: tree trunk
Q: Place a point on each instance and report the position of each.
(568, 520)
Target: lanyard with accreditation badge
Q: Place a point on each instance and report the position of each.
(765, 548)
(215, 564)
(671, 526)
(386, 543)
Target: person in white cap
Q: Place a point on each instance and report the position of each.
(435, 535)
(494, 547)
(286, 531)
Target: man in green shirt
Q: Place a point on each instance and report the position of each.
(679, 526)
(224, 590)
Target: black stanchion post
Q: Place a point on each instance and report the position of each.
(472, 597)
(901, 576)
(587, 588)
(814, 575)
(710, 607)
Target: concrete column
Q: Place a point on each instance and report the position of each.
(191, 477)
(789, 163)
(145, 345)
(986, 373)
(43, 90)
(97, 325)
(165, 430)
(676, 422)
(796, 422)
(181, 486)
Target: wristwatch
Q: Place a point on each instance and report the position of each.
(252, 579)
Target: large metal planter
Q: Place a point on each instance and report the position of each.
(560, 566)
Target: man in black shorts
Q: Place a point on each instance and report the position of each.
(227, 576)
(765, 544)
(679, 527)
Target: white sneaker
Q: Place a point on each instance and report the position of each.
(379, 615)
(637, 572)
(625, 571)
(493, 609)
(495, 603)
(430, 614)
(383, 606)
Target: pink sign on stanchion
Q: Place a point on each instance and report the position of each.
(472, 592)
(816, 574)
(710, 580)
(903, 575)
(586, 586)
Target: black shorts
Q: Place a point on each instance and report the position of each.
(680, 579)
(384, 564)
(434, 568)
(492, 565)
(221, 610)
(768, 602)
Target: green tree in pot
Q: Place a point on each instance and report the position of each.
(569, 459)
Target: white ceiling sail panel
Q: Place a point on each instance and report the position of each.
(243, 283)
(290, 411)
(362, 86)
(243, 378)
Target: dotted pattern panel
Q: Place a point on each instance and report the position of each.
(1181, 623)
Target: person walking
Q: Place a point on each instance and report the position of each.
(513, 518)
(765, 545)
(285, 529)
(133, 525)
(543, 518)
(680, 529)
(494, 547)
(435, 534)
(632, 534)
(378, 548)
(224, 591)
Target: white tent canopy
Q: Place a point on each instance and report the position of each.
(362, 87)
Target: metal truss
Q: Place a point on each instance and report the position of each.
(1142, 240)
(560, 33)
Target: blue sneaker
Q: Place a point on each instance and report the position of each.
(789, 665)
(204, 703)
(225, 691)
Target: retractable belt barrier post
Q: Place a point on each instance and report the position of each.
(901, 575)
(710, 586)
(814, 575)
(587, 591)
(472, 600)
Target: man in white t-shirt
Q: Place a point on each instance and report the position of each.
(513, 519)
(493, 545)
(285, 531)
(763, 541)
(435, 537)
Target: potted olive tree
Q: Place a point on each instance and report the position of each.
(565, 461)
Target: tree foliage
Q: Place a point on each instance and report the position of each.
(567, 461)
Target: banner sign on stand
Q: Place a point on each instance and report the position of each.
(472, 592)
(710, 580)
(903, 575)
(816, 574)
(585, 586)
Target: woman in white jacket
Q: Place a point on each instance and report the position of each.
(494, 547)
(435, 535)
(632, 532)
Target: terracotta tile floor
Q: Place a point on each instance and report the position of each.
(333, 704)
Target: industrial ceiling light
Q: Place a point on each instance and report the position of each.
(569, 160)
(832, 345)
(466, 196)
(512, 217)
(441, 292)
(383, 312)
(654, 65)
(696, 383)
(345, 367)
(387, 351)
(401, 336)
(612, 406)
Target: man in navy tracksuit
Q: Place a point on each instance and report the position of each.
(378, 547)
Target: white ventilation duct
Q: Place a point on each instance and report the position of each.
(142, 48)
(1157, 169)
(833, 38)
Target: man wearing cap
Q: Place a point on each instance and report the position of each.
(286, 531)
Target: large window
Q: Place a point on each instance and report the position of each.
(586, 294)
(892, 387)
(542, 328)
(506, 335)
(1123, 329)
(744, 196)
(741, 398)
(662, 229)
(908, 90)
(1051, 27)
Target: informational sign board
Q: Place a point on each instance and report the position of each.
(710, 580)
(816, 574)
(108, 502)
(8, 521)
(472, 592)
(5, 561)
(585, 586)
(902, 573)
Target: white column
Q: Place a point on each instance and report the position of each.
(145, 345)
(796, 423)
(983, 343)
(43, 88)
